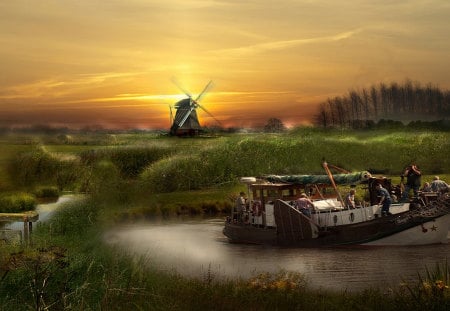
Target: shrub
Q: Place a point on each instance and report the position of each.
(46, 192)
(39, 167)
(130, 161)
(17, 202)
(176, 173)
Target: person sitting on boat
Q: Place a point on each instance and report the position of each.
(241, 203)
(304, 205)
(385, 199)
(438, 185)
(350, 199)
(413, 181)
(426, 187)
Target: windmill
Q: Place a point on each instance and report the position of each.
(185, 122)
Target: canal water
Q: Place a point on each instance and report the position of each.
(199, 249)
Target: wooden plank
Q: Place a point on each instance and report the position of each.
(30, 216)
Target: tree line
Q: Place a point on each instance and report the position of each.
(407, 102)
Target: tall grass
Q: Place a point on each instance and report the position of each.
(37, 167)
(17, 202)
(302, 152)
(129, 160)
(187, 164)
(71, 268)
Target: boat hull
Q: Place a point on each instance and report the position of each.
(431, 232)
(420, 227)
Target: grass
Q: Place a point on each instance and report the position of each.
(69, 267)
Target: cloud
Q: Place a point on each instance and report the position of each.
(285, 44)
(61, 86)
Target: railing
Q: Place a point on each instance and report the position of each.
(27, 217)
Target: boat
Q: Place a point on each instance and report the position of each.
(271, 217)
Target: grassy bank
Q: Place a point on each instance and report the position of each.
(69, 266)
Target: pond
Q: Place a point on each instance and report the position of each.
(197, 248)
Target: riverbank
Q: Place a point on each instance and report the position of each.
(71, 267)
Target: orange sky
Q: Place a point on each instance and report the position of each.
(93, 62)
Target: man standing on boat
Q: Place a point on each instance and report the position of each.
(385, 199)
(413, 181)
(304, 205)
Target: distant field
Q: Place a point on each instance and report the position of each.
(221, 159)
(7, 152)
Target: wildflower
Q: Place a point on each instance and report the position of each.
(426, 287)
(440, 285)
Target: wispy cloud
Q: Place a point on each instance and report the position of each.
(60, 86)
(285, 44)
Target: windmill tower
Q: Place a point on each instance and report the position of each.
(185, 122)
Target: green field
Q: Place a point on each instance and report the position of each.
(129, 176)
(198, 163)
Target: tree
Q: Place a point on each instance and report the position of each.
(274, 125)
(403, 102)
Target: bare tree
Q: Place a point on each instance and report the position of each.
(274, 125)
(391, 101)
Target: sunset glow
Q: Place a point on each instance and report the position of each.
(83, 63)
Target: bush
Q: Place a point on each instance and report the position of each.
(17, 202)
(39, 167)
(176, 173)
(130, 161)
(46, 192)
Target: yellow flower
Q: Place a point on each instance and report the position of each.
(440, 285)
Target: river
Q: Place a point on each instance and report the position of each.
(198, 248)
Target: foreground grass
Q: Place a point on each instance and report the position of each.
(70, 268)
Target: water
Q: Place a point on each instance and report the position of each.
(44, 210)
(196, 248)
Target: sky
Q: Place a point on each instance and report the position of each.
(112, 63)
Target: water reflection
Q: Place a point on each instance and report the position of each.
(197, 247)
(45, 210)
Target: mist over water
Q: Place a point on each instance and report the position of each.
(196, 248)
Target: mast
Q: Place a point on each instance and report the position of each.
(327, 170)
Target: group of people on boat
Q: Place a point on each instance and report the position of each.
(242, 209)
(413, 181)
(437, 185)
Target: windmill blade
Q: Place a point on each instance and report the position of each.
(205, 110)
(208, 86)
(188, 113)
(178, 84)
(171, 114)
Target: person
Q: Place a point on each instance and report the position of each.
(350, 199)
(385, 199)
(304, 205)
(438, 185)
(240, 207)
(426, 187)
(413, 181)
